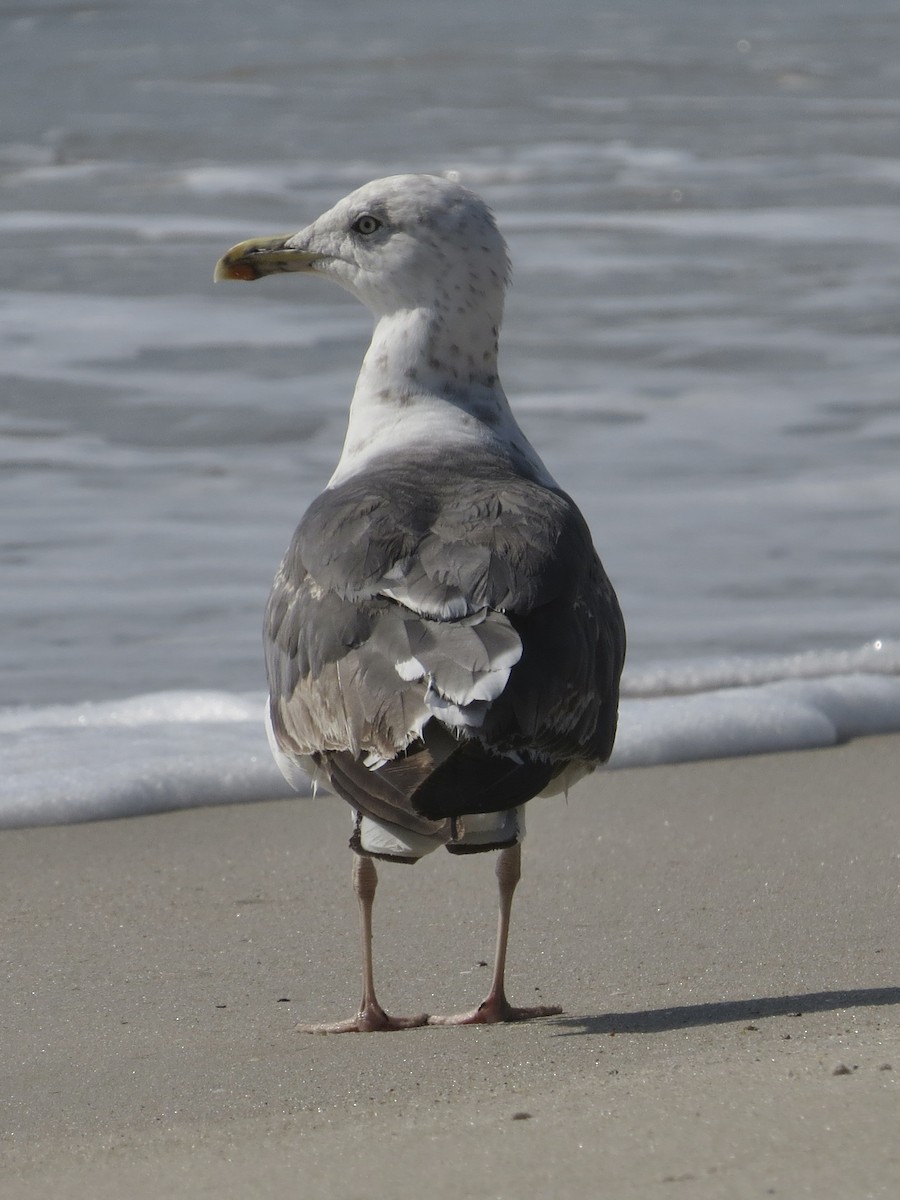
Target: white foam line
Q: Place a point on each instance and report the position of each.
(878, 657)
(143, 226)
(874, 224)
(185, 749)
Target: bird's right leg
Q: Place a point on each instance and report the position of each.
(371, 1016)
(495, 1007)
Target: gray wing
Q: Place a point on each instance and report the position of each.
(431, 597)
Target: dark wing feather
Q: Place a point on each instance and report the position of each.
(436, 582)
(470, 780)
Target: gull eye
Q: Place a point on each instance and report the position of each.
(366, 225)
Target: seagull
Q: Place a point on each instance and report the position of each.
(442, 642)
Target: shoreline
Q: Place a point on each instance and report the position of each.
(721, 936)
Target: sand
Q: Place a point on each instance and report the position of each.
(723, 938)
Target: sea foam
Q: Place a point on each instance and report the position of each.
(173, 750)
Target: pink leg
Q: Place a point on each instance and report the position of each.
(371, 1016)
(495, 1007)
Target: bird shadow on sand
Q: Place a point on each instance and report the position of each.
(687, 1016)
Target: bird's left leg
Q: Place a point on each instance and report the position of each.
(371, 1016)
(495, 1007)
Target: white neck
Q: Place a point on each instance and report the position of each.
(424, 383)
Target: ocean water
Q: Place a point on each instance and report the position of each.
(702, 340)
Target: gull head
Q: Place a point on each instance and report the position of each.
(402, 243)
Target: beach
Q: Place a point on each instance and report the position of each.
(722, 937)
(700, 203)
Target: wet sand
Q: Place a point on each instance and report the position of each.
(722, 936)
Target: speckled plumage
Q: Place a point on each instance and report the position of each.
(441, 638)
